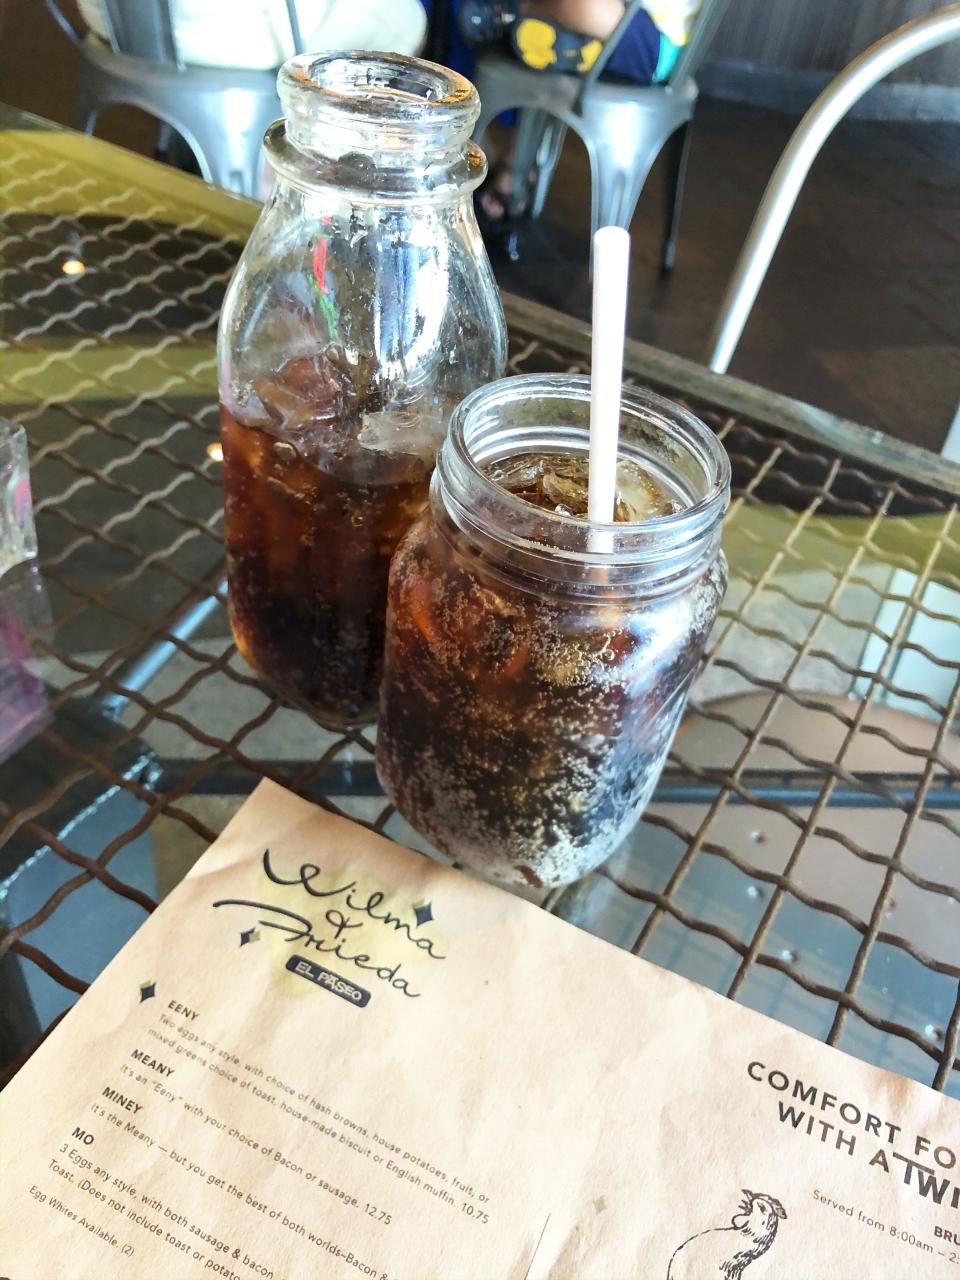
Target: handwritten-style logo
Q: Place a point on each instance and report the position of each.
(354, 925)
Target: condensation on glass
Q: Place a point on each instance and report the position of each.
(362, 311)
(537, 666)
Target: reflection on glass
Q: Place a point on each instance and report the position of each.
(23, 700)
(18, 539)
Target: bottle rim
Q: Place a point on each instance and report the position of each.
(366, 87)
(550, 412)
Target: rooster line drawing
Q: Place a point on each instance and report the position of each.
(724, 1253)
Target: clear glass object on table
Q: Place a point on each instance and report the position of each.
(18, 538)
(537, 666)
(23, 705)
(363, 309)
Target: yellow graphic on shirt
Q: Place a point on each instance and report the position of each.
(536, 41)
(589, 54)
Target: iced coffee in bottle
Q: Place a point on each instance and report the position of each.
(537, 667)
(363, 309)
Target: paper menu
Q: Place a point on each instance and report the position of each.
(324, 1056)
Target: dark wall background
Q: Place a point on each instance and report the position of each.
(824, 35)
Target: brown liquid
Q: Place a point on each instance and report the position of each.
(522, 729)
(311, 520)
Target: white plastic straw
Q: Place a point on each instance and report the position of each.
(611, 259)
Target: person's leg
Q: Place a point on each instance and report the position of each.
(567, 35)
(588, 17)
(487, 21)
(564, 35)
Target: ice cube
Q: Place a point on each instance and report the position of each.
(565, 493)
(18, 538)
(642, 496)
(305, 406)
(387, 431)
(416, 430)
(559, 483)
(547, 480)
(300, 391)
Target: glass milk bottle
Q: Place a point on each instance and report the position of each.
(362, 311)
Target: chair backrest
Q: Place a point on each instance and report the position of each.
(694, 51)
(691, 55)
(69, 29)
(841, 94)
(610, 44)
(142, 29)
(294, 21)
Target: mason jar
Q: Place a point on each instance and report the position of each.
(362, 310)
(537, 666)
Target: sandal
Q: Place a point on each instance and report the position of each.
(497, 200)
(543, 45)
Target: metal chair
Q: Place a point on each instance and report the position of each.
(912, 608)
(901, 46)
(221, 113)
(623, 126)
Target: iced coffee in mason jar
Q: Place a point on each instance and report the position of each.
(536, 665)
(362, 311)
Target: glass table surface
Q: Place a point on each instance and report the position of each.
(802, 852)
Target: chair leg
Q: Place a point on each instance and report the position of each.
(488, 113)
(677, 155)
(161, 148)
(531, 124)
(229, 159)
(85, 110)
(548, 156)
(616, 185)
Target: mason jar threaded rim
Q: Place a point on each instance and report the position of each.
(550, 413)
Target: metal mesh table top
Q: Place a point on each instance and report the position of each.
(801, 853)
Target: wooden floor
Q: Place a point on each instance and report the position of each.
(860, 313)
